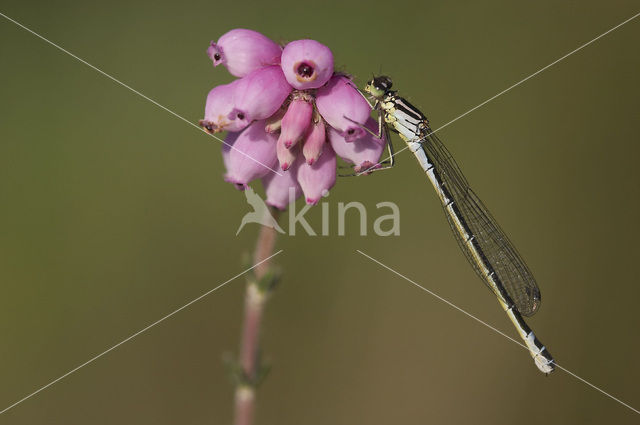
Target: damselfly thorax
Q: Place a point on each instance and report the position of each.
(406, 119)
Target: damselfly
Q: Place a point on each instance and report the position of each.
(485, 245)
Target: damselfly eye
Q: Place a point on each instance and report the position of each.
(383, 82)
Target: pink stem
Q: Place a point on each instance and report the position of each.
(253, 313)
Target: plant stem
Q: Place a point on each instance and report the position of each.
(255, 299)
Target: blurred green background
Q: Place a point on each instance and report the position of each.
(114, 213)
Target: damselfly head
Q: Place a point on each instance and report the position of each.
(378, 86)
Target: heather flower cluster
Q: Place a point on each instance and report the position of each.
(287, 111)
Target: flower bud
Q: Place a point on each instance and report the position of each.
(318, 178)
(295, 122)
(314, 142)
(286, 157)
(274, 122)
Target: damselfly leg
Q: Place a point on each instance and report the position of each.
(383, 135)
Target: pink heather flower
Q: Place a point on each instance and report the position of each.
(252, 155)
(307, 64)
(259, 95)
(296, 121)
(298, 114)
(314, 142)
(220, 102)
(364, 152)
(274, 122)
(227, 146)
(277, 188)
(317, 178)
(242, 51)
(286, 157)
(340, 104)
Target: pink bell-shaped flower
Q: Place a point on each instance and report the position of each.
(220, 102)
(343, 107)
(243, 51)
(251, 156)
(281, 190)
(307, 64)
(227, 146)
(259, 95)
(364, 152)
